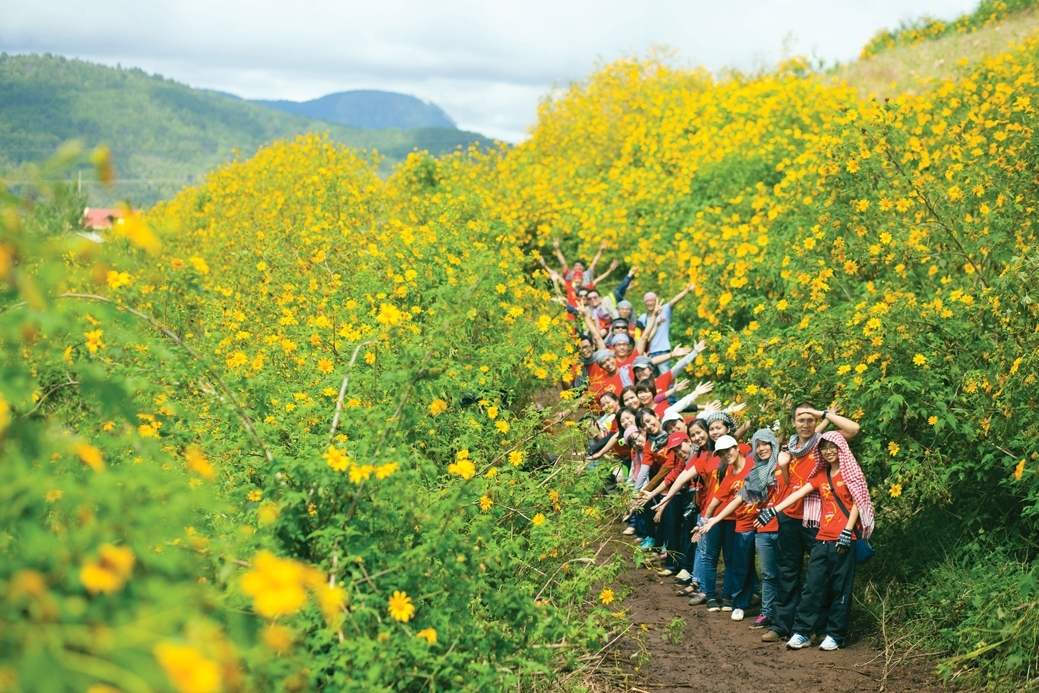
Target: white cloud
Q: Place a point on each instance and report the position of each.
(487, 64)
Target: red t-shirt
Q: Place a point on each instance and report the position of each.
(799, 469)
(664, 381)
(775, 495)
(599, 381)
(706, 464)
(728, 489)
(832, 519)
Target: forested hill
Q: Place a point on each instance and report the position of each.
(368, 108)
(163, 134)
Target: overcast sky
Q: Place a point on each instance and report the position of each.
(486, 63)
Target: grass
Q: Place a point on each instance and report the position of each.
(914, 68)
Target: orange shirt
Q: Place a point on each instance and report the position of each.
(799, 469)
(728, 489)
(831, 519)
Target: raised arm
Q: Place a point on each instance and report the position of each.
(682, 294)
(595, 260)
(559, 255)
(848, 428)
(593, 329)
(622, 289)
(680, 366)
(609, 270)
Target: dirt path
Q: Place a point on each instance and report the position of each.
(710, 652)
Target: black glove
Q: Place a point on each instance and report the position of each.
(765, 516)
(844, 541)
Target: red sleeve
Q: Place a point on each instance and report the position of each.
(676, 468)
(664, 381)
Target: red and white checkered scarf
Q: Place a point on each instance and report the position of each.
(853, 477)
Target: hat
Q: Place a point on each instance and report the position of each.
(676, 439)
(642, 362)
(724, 443)
(618, 322)
(620, 338)
(670, 415)
(601, 355)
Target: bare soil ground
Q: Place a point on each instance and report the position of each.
(710, 652)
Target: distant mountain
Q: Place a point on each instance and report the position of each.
(369, 109)
(163, 134)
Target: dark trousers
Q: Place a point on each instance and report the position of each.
(676, 530)
(827, 591)
(794, 541)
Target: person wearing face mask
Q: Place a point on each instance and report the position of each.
(837, 503)
(795, 537)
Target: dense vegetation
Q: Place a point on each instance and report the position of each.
(987, 13)
(369, 108)
(163, 134)
(179, 504)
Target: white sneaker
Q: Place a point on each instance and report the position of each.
(683, 574)
(829, 644)
(737, 615)
(797, 642)
(629, 531)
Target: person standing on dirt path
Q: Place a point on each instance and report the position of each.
(795, 539)
(837, 503)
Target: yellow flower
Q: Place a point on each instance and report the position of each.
(537, 520)
(491, 473)
(275, 585)
(1019, 470)
(606, 596)
(369, 358)
(90, 456)
(325, 366)
(895, 491)
(133, 228)
(389, 315)
(463, 467)
(108, 426)
(187, 669)
(267, 514)
(331, 600)
(337, 459)
(237, 359)
(278, 638)
(198, 463)
(53, 495)
(516, 458)
(385, 470)
(502, 425)
(95, 341)
(492, 412)
(920, 359)
(428, 634)
(360, 472)
(892, 448)
(437, 407)
(932, 420)
(109, 572)
(256, 495)
(486, 503)
(400, 607)
(118, 280)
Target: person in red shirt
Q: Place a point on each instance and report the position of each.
(795, 538)
(605, 376)
(760, 483)
(738, 534)
(837, 501)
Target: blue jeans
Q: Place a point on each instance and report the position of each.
(739, 569)
(767, 544)
(705, 566)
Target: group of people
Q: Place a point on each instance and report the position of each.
(701, 490)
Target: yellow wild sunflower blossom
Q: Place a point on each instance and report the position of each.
(895, 491)
(400, 607)
(437, 407)
(428, 634)
(606, 596)
(337, 459)
(187, 669)
(109, 571)
(90, 456)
